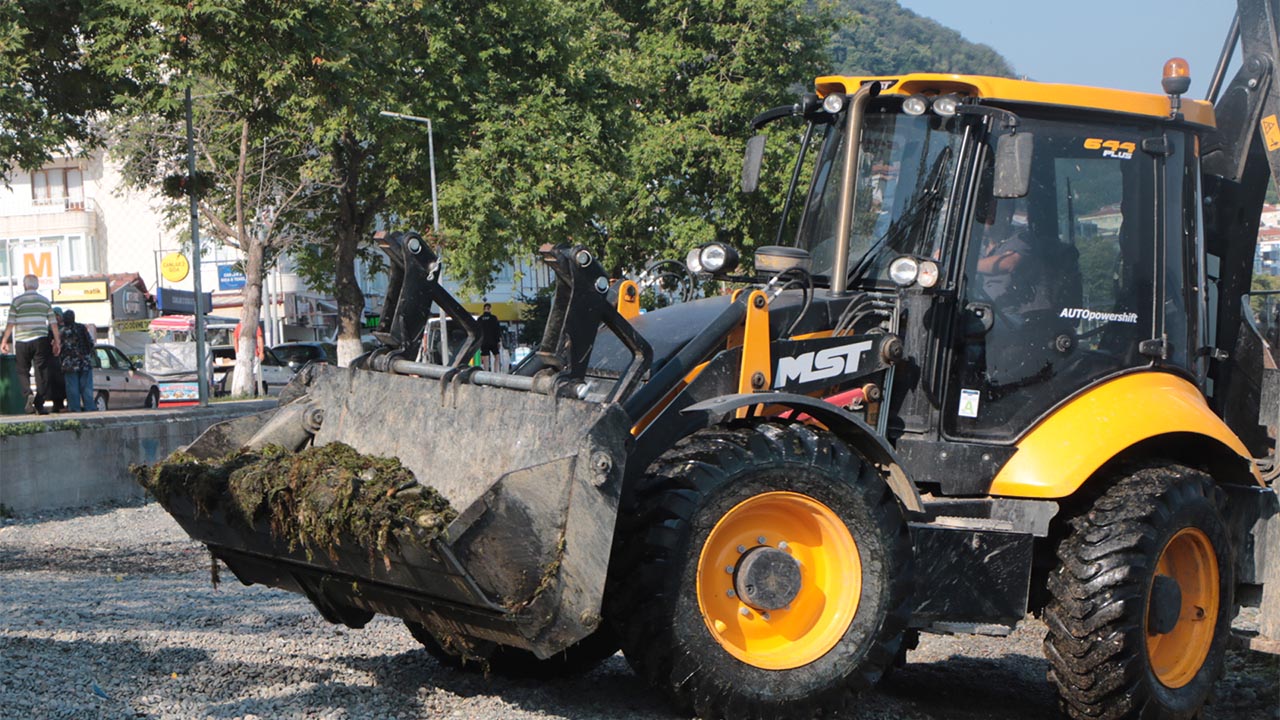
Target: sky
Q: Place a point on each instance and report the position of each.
(1109, 43)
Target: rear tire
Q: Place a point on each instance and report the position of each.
(153, 399)
(517, 663)
(1152, 553)
(686, 597)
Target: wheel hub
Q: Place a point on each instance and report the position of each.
(767, 578)
(1165, 606)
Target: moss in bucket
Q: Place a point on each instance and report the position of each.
(313, 499)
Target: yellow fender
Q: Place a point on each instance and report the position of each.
(1056, 457)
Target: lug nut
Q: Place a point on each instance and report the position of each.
(760, 540)
(742, 549)
(731, 594)
(728, 569)
(782, 545)
(745, 612)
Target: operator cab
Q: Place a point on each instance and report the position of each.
(1016, 228)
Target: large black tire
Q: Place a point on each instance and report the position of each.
(517, 663)
(1106, 655)
(673, 531)
(153, 399)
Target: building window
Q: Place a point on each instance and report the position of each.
(58, 186)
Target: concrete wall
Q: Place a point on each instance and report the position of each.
(75, 468)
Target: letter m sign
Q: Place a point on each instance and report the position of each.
(41, 261)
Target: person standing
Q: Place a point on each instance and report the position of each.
(31, 320)
(490, 339)
(77, 363)
(56, 384)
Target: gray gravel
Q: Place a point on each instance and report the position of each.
(109, 613)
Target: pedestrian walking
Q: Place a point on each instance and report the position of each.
(77, 363)
(32, 332)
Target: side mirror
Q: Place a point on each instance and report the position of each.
(1013, 165)
(751, 164)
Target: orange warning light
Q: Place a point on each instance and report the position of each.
(1177, 76)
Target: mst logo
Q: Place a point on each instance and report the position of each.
(820, 364)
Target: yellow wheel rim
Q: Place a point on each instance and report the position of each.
(1176, 656)
(830, 581)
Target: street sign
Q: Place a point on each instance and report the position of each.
(230, 277)
(175, 267)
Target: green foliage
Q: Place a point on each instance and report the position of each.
(533, 319)
(627, 133)
(34, 428)
(879, 37)
(49, 89)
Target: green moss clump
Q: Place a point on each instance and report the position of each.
(317, 498)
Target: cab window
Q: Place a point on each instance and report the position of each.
(1057, 285)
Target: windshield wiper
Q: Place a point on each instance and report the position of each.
(922, 206)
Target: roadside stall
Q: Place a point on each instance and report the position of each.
(171, 356)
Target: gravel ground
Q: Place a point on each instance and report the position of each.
(109, 613)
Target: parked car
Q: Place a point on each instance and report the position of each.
(119, 383)
(276, 373)
(298, 354)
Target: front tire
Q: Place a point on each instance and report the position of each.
(1142, 600)
(101, 402)
(153, 399)
(762, 572)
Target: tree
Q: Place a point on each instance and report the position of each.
(245, 62)
(49, 90)
(628, 134)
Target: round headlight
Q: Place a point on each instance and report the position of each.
(712, 258)
(904, 271)
(915, 105)
(928, 274)
(718, 258)
(946, 105)
(693, 261)
(833, 103)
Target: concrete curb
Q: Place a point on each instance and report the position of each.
(90, 464)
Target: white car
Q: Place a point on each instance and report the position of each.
(275, 372)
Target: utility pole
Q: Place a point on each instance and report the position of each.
(202, 372)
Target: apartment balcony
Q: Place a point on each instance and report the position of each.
(15, 207)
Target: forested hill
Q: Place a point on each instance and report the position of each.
(881, 37)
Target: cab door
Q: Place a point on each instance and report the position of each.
(1058, 288)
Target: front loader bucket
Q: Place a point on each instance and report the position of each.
(534, 479)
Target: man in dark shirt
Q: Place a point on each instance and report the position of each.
(490, 339)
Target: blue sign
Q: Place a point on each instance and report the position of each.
(230, 278)
(171, 301)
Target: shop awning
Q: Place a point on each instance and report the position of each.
(505, 311)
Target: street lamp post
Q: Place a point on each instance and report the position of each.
(431, 152)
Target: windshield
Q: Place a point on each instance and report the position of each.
(906, 167)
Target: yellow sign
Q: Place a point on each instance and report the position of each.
(174, 267)
(92, 291)
(132, 325)
(1271, 133)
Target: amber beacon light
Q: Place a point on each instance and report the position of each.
(1176, 80)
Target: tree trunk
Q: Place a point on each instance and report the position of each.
(247, 347)
(350, 298)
